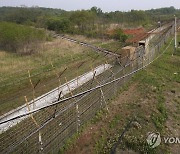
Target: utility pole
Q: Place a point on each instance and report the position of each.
(175, 34)
(159, 22)
(175, 26)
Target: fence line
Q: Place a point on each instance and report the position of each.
(61, 119)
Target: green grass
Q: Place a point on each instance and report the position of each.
(115, 121)
(159, 74)
(69, 143)
(16, 38)
(99, 145)
(152, 81)
(114, 46)
(160, 118)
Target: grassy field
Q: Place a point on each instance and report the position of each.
(14, 81)
(151, 99)
(112, 45)
(21, 39)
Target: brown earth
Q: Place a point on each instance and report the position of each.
(87, 140)
(128, 104)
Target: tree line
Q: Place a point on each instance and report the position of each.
(92, 23)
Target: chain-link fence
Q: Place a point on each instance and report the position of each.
(45, 129)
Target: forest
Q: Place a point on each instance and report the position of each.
(92, 23)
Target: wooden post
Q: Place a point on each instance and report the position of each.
(35, 122)
(77, 109)
(33, 90)
(59, 80)
(115, 88)
(77, 77)
(102, 94)
(78, 118)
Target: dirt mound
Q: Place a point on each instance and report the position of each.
(134, 31)
(137, 34)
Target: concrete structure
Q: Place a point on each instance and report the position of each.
(50, 97)
(127, 54)
(145, 42)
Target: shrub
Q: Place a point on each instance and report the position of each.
(58, 25)
(18, 38)
(119, 35)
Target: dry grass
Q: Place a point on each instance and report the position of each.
(50, 51)
(90, 40)
(62, 53)
(64, 45)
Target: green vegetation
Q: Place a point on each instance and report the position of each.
(99, 145)
(14, 81)
(119, 35)
(69, 143)
(92, 23)
(115, 121)
(160, 118)
(19, 38)
(20, 33)
(160, 77)
(151, 104)
(58, 24)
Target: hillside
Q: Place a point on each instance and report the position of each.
(51, 59)
(88, 81)
(148, 103)
(92, 23)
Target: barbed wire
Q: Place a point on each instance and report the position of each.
(123, 67)
(15, 82)
(125, 56)
(87, 91)
(58, 120)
